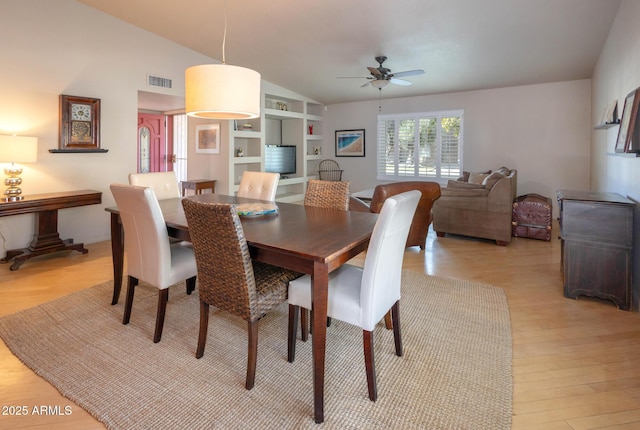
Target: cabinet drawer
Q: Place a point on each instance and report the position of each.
(597, 221)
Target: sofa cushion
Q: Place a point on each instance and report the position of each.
(491, 179)
(464, 192)
(459, 184)
(477, 177)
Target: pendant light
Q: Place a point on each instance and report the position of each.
(221, 91)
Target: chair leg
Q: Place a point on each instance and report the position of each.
(252, 356)
(204, 325)
(191, 285)
(387, 320)
(369, 363)
(163, 297)
(293, 331)
(397, 336)
(304, 317)
(128, 304)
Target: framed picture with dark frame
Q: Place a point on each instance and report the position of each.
(350, 143)
(79, 128)
(629, 132)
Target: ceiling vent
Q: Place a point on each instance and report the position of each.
(156, 81)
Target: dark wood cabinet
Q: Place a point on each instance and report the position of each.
(596, 231)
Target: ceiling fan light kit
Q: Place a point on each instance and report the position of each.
(379, 83)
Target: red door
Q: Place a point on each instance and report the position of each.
(155, 147)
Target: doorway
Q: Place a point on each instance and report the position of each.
(155, 145)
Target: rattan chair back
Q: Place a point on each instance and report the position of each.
(227, 277)
(327, 194)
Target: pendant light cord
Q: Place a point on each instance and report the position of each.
(224, 37)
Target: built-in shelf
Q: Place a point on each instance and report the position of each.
(623, 154)
(287, 119)
(77, 151)
(247, 160)
(248, 134)
(606, 125)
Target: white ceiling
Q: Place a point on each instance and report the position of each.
(462, 45)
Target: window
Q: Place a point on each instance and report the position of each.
(418, 146)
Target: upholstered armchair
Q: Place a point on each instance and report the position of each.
(423, 216)
(478, 205)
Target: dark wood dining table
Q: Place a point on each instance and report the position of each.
(313, 241)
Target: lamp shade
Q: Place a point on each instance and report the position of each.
(18, 149)
(220, 91)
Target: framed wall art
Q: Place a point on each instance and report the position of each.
(79, 128)
(628, 134)
(208, 139)
(350, 143)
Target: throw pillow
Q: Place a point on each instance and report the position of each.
(477, 177)
(491, 180)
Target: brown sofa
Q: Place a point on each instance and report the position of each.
(423, 216)
(477, 205)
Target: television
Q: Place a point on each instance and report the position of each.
(280, 159)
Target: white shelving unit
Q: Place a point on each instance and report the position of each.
(287, 119)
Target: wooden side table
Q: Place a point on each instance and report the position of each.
(45, 207)
(596, 230)
(197, 185)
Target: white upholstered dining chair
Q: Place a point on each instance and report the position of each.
(150, 255)
(362, 296)
(165, 184)
(258, 185)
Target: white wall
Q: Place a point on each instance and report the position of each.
(541, 130)
(58, 47)
(616, 74)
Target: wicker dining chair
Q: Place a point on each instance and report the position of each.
(227, 276)
(327, 194)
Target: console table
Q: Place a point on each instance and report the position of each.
(197, 185)
(596, 231)
(45, 207)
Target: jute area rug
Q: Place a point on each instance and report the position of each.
(455, 372)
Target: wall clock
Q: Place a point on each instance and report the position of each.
(79, 124)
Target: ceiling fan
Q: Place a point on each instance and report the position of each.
(382, 76)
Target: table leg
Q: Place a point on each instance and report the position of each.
(117, 255)
(320, 281)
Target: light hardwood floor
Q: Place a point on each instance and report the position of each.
(576, 363)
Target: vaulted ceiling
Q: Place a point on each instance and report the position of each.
(461, 45)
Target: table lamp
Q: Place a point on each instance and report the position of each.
(16, 149)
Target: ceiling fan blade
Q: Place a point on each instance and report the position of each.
(374, 71)
(409, 73)
(365, 84)
(401, 82)
(354, 77)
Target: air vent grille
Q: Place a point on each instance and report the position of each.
(156, 81)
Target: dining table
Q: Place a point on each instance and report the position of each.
(310, 240)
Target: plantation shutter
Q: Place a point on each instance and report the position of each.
(420, 146)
